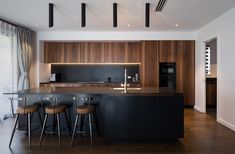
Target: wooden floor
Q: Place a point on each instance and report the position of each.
(202, 135)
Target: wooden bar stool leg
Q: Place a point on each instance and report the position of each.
(58, 124)
(14, 129)
(74, 129)
(89, 116)
(43, 129)
(29, 129)
(68, 124)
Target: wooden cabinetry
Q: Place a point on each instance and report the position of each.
(115, 52)
(133, 53)
(96, 52)
(181, 52)
(92, 52)
(211, 92)
(148, 53)
(149, 64)
(185, 70)
(54, 52)
(167, 51)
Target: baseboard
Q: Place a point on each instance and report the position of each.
(197, 108)
(227, 124)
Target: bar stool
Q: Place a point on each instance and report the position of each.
(81, 112)
(24, 110)
(54, 110)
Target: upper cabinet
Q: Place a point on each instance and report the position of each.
(115, 52)
(133, 53)
(92, 52)
(167, 51)
(96, 52)
(149, 64)
(54, 52)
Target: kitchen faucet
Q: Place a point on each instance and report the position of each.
(125, 84)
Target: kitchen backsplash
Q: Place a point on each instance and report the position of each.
(95, 73)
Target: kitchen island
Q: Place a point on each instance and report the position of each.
(140, 114)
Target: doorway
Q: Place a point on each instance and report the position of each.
(211, 77)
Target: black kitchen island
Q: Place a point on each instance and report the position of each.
(138, 115)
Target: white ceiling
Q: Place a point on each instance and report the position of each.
(190, 15)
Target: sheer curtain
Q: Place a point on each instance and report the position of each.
(24, 54)
(15, 61)
(8, 69)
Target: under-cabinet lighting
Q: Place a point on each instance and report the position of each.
(96, 63)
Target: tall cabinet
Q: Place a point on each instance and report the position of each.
(185, 70)
(180, 52)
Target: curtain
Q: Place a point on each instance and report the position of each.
(8, 67)
(7, 29)
(24, 55)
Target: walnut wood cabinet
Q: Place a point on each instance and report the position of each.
(185, 70)
(211, 92)
(167, 51)
(149, 64)
(54, 52)
(181, 52)
(133, 53)
(92, 52)
(148, 53)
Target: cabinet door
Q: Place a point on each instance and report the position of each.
(114, 52)
(71, 54)
(167, 51)
(133, 52)
(96, 52)
(211, 90)
(185, 70)
(54, 52)
(149, 64)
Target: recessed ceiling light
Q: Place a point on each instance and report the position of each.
(176, 25)
(37, 25)
(128, 25)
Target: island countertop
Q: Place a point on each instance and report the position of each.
(98, 90)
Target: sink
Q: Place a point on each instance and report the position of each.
(121, 88)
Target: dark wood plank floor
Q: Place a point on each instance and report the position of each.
(202, 135)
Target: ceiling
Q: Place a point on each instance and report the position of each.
(190, 15)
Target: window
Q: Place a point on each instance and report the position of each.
(208, 65)
(8, 69)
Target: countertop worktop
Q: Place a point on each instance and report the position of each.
(97, 90)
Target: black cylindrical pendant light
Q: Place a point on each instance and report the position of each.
(147, 6)
(83, 15)
(114, 14)
(51, 15)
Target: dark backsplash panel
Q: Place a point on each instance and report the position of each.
(93, 73)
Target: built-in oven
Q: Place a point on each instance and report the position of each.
(167, 74)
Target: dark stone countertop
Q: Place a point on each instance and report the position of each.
(98, 90)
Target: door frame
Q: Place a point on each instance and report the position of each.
(203, 87)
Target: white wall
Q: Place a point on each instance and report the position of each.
(44, 69)
(224, 29)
